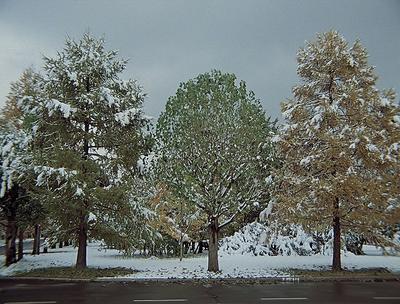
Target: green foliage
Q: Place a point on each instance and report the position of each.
(16, 161)
(213, 145)
(89, 135)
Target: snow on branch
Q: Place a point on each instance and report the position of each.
(125, 117)
(13, 158)
(54, 105)
(44, 174)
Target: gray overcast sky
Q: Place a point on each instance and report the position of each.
(171, 41)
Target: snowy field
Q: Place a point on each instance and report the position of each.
(232, 266)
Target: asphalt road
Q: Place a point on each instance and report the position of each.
(46, 292)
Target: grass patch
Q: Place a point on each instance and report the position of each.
(359, 273)
(73, 273)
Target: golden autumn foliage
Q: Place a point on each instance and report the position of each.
(175, 218)
(340, 146)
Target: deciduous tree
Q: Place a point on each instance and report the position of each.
(214, 150)
(340, 145)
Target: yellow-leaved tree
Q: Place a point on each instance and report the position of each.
(340, 145)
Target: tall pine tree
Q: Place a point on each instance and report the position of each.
(16, 171)
(340, 145)
(89, 135)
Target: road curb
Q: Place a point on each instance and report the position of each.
(268, 280)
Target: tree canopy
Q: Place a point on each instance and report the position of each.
(214, 149)
(89, 133)
(340, 144)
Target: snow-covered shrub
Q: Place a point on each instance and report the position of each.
(396, 238)
(248, 240)
(354, 243)
(290, 241)
(259, 239)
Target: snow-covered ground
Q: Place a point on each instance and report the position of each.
(232, 266)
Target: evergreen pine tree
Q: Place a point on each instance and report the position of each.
(17, 206)
(89, 135)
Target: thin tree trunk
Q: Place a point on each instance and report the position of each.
(11, 234)
(336, 263)
(181, 236)
(20, 244)
(213, 246)
(36, 240)
(181, 247)
(81, 260)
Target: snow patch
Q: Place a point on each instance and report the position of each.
(232, 266)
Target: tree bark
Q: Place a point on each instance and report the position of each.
(213, 246)
(336, 262)
(36, 240)
(11, 234)
(181, 247)
(81, 260)
(20, 244)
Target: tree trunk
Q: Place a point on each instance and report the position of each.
(60, 244)
(181, 247)
(213, 246)
(20, 244)
(336, 263)
(11, 235)
(81, 260)
(36, 240)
